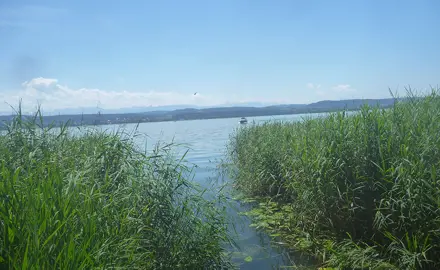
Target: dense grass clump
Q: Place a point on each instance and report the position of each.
(92, 200)
(358, 191)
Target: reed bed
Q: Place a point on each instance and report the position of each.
(94, 201)
(358, 191)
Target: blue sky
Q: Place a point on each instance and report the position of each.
(150, 53)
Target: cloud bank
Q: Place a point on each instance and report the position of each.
(340, 91)
(313, 86)
(52, 96)
(55, 97)
(343, 88)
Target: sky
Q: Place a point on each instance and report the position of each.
(135, 53)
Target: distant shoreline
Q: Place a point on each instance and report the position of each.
(214, 118)
(206, 113)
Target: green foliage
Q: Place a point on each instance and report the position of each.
(248, 259)
(358, 191)
(83, 199)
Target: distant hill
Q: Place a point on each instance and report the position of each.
(181, 112)
(142, 109)
(351, 103)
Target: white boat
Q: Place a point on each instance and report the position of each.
(243, 120)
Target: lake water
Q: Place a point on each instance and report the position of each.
(206, 141)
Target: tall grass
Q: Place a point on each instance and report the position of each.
(95, 201)
(358, 191)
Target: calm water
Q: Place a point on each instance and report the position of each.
(206, 141)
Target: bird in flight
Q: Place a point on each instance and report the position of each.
(195, 93)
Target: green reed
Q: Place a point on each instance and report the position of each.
(94, 201)
(358, 191)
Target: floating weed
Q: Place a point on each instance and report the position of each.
(248, 259)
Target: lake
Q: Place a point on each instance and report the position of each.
(206, 142)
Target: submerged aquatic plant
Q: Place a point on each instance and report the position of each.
(359, 190)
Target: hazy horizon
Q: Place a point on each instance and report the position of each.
(68, 56)
(165, 108)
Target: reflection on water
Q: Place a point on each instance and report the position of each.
(206, 140)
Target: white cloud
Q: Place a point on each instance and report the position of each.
(53, 96)
(340, 91)
(343, 88)
(39, 82)
(313, 86)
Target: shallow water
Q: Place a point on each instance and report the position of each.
(206, 141)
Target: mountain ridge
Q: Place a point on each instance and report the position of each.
(181, 112)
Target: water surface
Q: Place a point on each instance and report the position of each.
(206, 141)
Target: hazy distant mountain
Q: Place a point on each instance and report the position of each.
(351, 103)
(121, 110)
(93, 110)
(91, 116)
(330, 104)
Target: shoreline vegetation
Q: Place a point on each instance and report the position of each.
(349, 191)
(102, 118)
(96, 201)
(354, 191)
